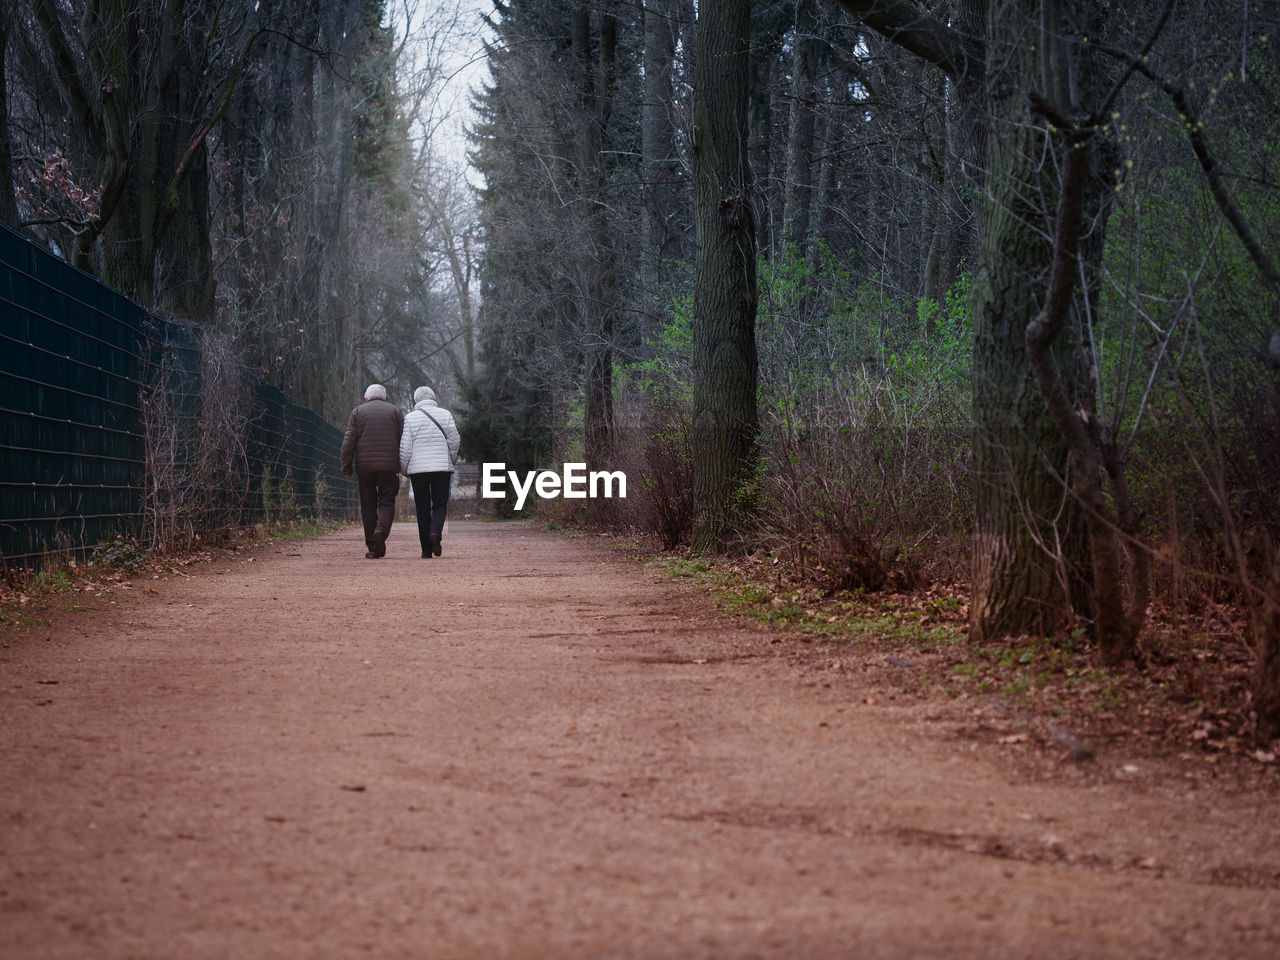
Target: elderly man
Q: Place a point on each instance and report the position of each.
(371, 450)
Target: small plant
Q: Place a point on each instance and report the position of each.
(679, 567)
(119, 553)
(50, 581)
(322, 493)
(302, 529)
(278, 504)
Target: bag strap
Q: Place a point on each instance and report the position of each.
(438, 427)
(442, 433)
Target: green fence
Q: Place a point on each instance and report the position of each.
(92, 386)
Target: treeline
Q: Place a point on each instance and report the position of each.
(902, 289)
(261, 167)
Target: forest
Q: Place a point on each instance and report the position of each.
(976, 291)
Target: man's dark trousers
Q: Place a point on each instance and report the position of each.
(378, 489)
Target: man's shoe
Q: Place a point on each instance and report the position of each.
(426, 556)
(370, 555)
(435, 544)
(379, 543)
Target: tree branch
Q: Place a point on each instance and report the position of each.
(66, 62)
(917, 31)
(1101, 113)
(172, 199)
(1208, 163)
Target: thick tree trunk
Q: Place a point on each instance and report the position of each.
(724, 306)
(1068, 83)
(1028, 544)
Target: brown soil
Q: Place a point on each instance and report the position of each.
(531, 748)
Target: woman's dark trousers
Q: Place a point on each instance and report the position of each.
(430, 503)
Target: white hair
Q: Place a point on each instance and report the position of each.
(376, 391)
(423, 393)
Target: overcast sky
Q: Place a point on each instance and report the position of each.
(455, 28)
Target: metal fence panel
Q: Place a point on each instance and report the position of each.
(77, 359)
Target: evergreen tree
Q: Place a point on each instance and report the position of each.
(556, 144)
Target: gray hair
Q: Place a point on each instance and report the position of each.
(423, 393)
(376, 391)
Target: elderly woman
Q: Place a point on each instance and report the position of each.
(428, 449)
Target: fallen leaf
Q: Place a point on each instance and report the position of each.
(1013, 738)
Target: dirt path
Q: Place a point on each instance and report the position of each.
(529, 748)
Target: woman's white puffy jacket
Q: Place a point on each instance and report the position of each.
(424, 448)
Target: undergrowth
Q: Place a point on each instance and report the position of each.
(1188, 693)
(62, 580)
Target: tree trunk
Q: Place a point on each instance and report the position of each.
(1030, 550)
(798, 190)
(760, 133)
(724, 303)
(1028, 544)
(596, 76)
(1266, 632)
(938, 213)
(8, 199)
(825, 199)
(967, 126)
(1116, 622)
(657, 132)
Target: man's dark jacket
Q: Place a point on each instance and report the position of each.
(372, 442)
